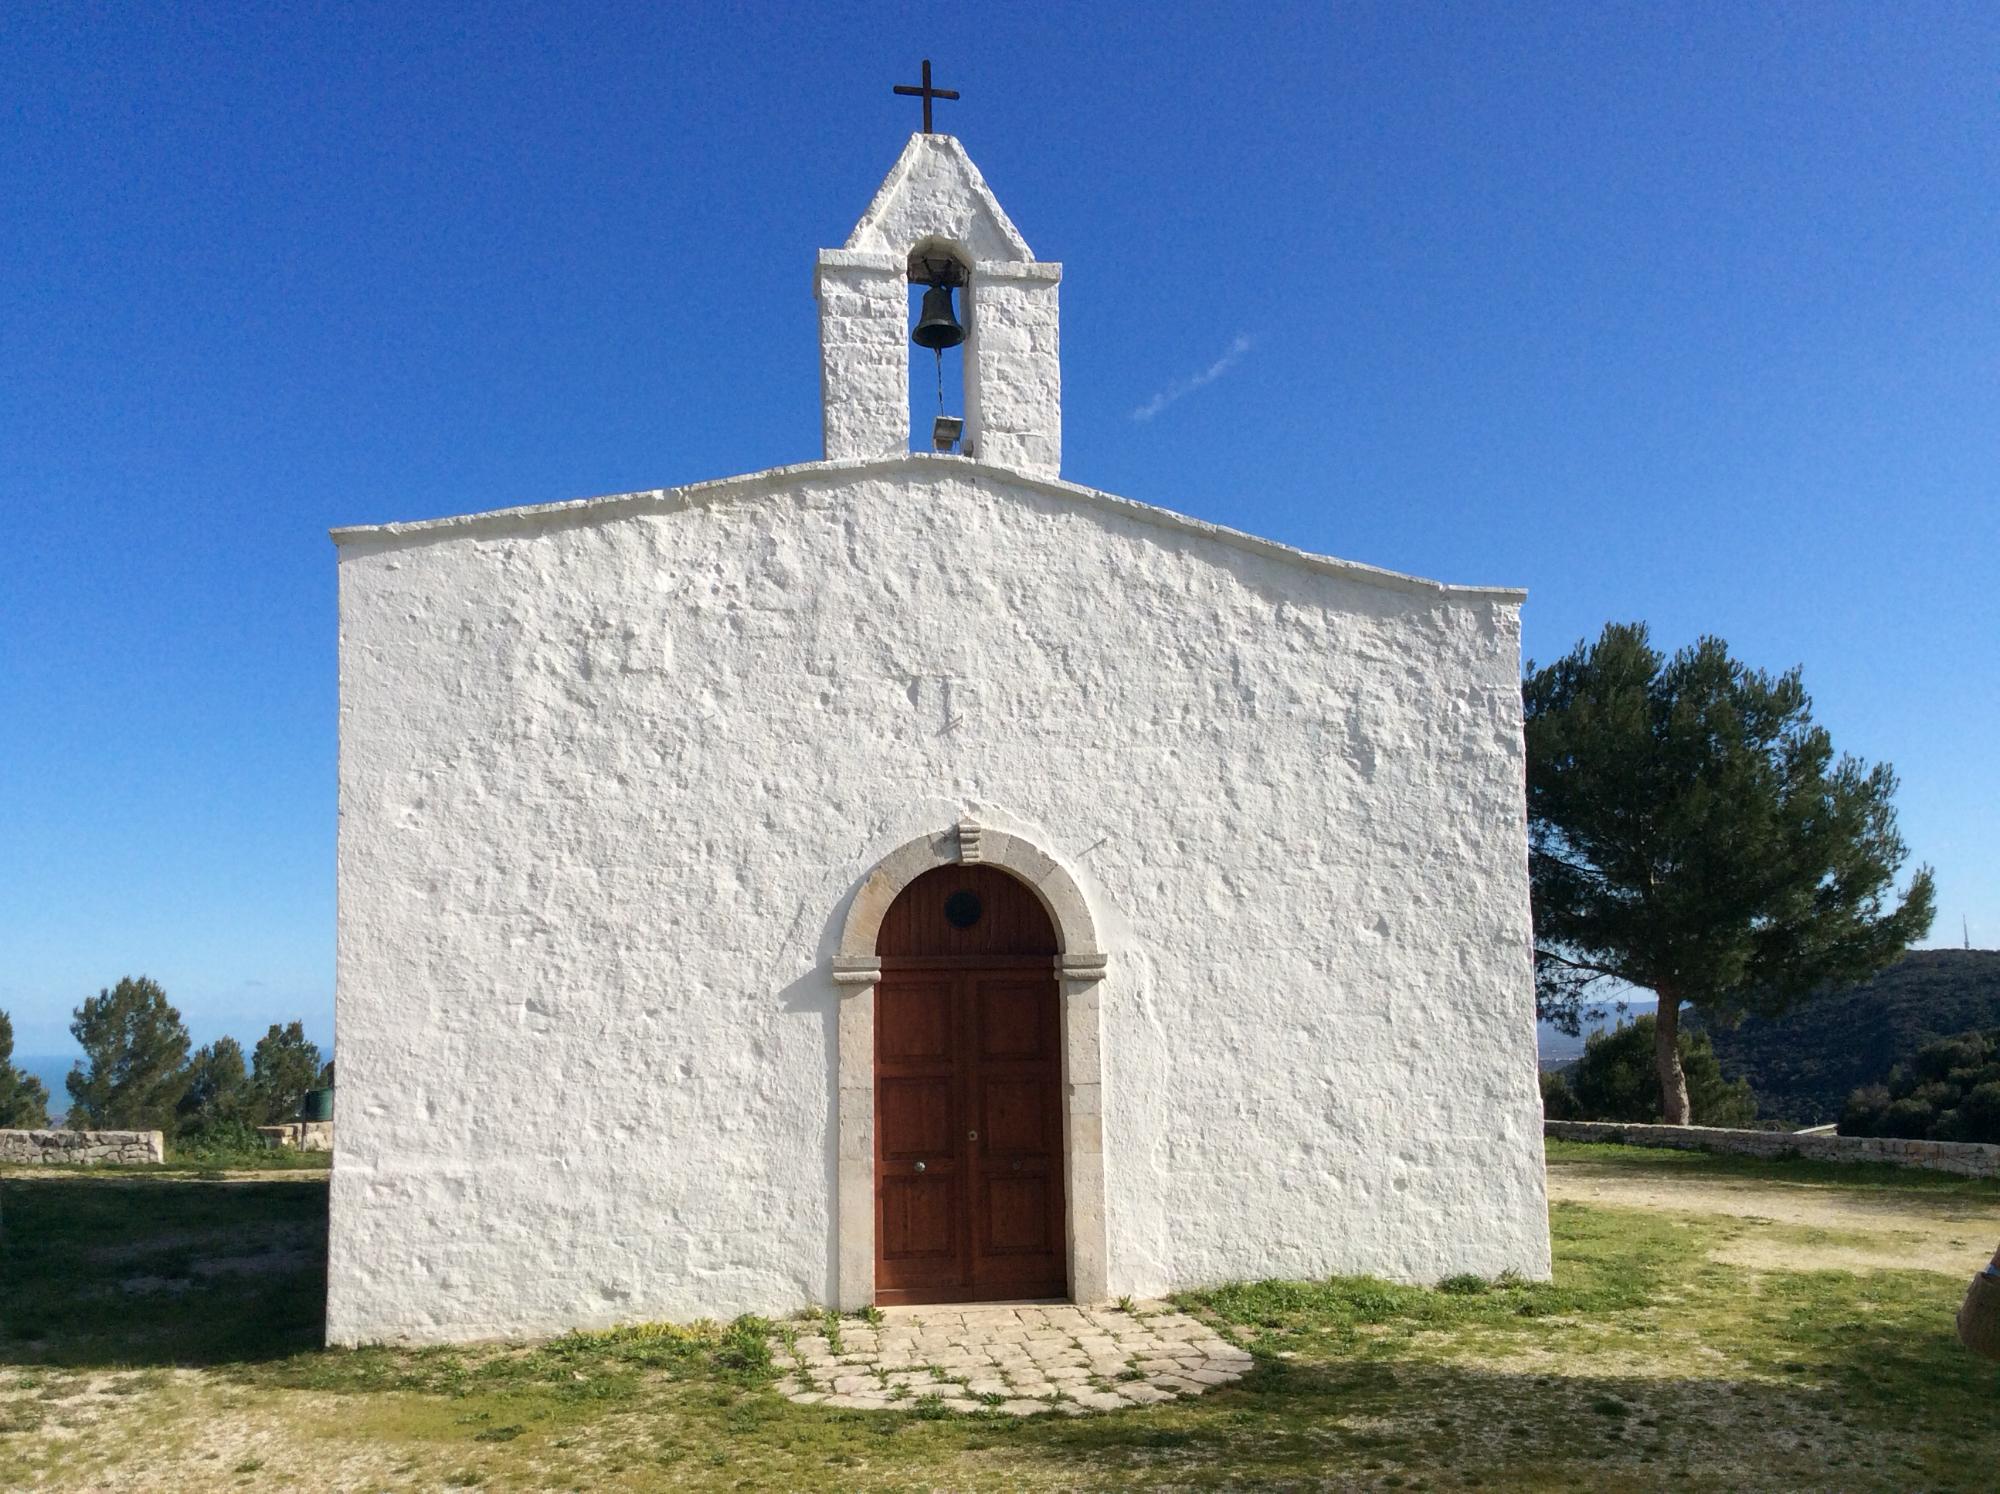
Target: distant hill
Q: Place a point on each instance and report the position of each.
(1803, 1065)
(1558, 1050)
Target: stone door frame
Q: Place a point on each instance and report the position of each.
(1079, 967)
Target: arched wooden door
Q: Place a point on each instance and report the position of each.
(968, 1094)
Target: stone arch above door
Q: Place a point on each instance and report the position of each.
(1079, 967)
(972, 844)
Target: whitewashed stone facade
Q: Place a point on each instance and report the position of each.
(619, 777)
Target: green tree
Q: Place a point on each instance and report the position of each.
(136, 1047)
(1949, 1092)
(283, 1067)
(1558, 1100)
(218, 1091)
(1691, 834)
(24, 1103)
(1615, 1079)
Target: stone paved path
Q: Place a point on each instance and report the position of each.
(1017, 1360)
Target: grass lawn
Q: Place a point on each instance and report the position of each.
(161, 1333)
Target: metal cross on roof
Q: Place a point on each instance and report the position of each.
(926, 93)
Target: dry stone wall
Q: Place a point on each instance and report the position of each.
(82, 1147)
(304, 1136)
(1966, 1158)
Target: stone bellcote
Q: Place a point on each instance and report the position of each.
(935, 201)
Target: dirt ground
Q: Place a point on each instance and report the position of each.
(1794, 1226)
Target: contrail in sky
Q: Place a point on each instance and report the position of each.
(1231, 356)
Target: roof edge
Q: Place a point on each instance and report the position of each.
(720, 489)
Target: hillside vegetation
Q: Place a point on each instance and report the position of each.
(1803, 1066)
(1949, 1092)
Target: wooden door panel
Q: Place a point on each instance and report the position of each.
(1011, 1019)
(913, 1020)
(915, 1117)
(919, 1215)
(1015, 1166)
(1014, 1116)
(1016, 1214)
(921, 1248)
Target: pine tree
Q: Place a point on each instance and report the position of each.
(136, 1047)
(24, 1103)
(284, 1066)
(218, 1090)
(1691, 834)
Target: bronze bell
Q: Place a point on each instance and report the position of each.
(937, 324)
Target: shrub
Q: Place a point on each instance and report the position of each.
(220, 1143)
(1558, 1099)
(1615, 1079)
(1950, 1091)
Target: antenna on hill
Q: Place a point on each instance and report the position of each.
(1965, 927)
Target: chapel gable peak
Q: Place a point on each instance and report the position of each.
(935, 192)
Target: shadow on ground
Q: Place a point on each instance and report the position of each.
(1792, 1379)
(1384, 1423)
(104, 1272)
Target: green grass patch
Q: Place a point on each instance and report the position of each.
(128, 1359)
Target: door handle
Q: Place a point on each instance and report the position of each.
(971, 1135)
(920, 1167)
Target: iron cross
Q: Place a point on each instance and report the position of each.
(927, 93)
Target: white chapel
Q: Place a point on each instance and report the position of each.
(914, 877)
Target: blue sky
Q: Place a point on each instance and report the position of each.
(1685, 313)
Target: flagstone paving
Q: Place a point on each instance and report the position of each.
(1015, 1359)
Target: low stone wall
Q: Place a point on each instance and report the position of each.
(82, 1146)
(304, 1136)
(1970, 1159)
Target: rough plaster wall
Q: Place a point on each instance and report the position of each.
(1013, 369)
(864, 356)
(608, 783)
(934, 189)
